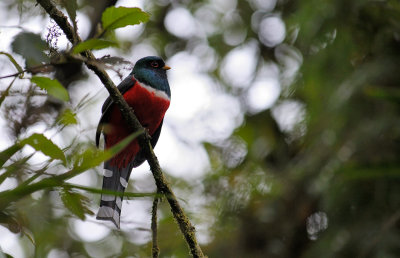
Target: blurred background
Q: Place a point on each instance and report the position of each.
(282, 138)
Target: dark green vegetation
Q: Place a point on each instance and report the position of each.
(328, 185)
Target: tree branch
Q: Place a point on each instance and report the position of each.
(185, 225)
(61, 20)
(155, 250)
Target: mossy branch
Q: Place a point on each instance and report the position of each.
(154, 250)
(163, 186)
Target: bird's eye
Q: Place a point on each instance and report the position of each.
(154, 64)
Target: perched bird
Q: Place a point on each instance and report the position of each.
(147, 91)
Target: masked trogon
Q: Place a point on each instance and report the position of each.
(147, 91)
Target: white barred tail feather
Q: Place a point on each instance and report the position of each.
(116, 180)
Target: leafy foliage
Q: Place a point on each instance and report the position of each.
(31, 47)
(67, 117)
(118, 17)
(40, 143)
(76, 203)
(52, 86)
(93, 44)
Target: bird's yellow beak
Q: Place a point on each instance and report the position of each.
(166, 67)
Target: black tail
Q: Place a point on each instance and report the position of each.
(114, 179)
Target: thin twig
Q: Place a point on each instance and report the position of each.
(30, 69)
(154, 250)
(185, 225)
(12, 75)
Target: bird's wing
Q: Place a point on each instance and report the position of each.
(123, 87)
(140, 158)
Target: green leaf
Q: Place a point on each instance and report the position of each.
(103, 191)
(114, 150)
(31, 47)
(93, 44)
(76, 203)
(7, 153)
(92, 157)
(40, 143)
(12, 168)
(17, 66)
(118, 17)
(68, 117)
(52, 86)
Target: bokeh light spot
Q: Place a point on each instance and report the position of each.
(288, 114)
(272, 31)
(316, 223)
(239, 65)
(265, 5)
(180, 22)
(262, 94)
(85, 229)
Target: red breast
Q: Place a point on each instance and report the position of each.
(149, 106)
